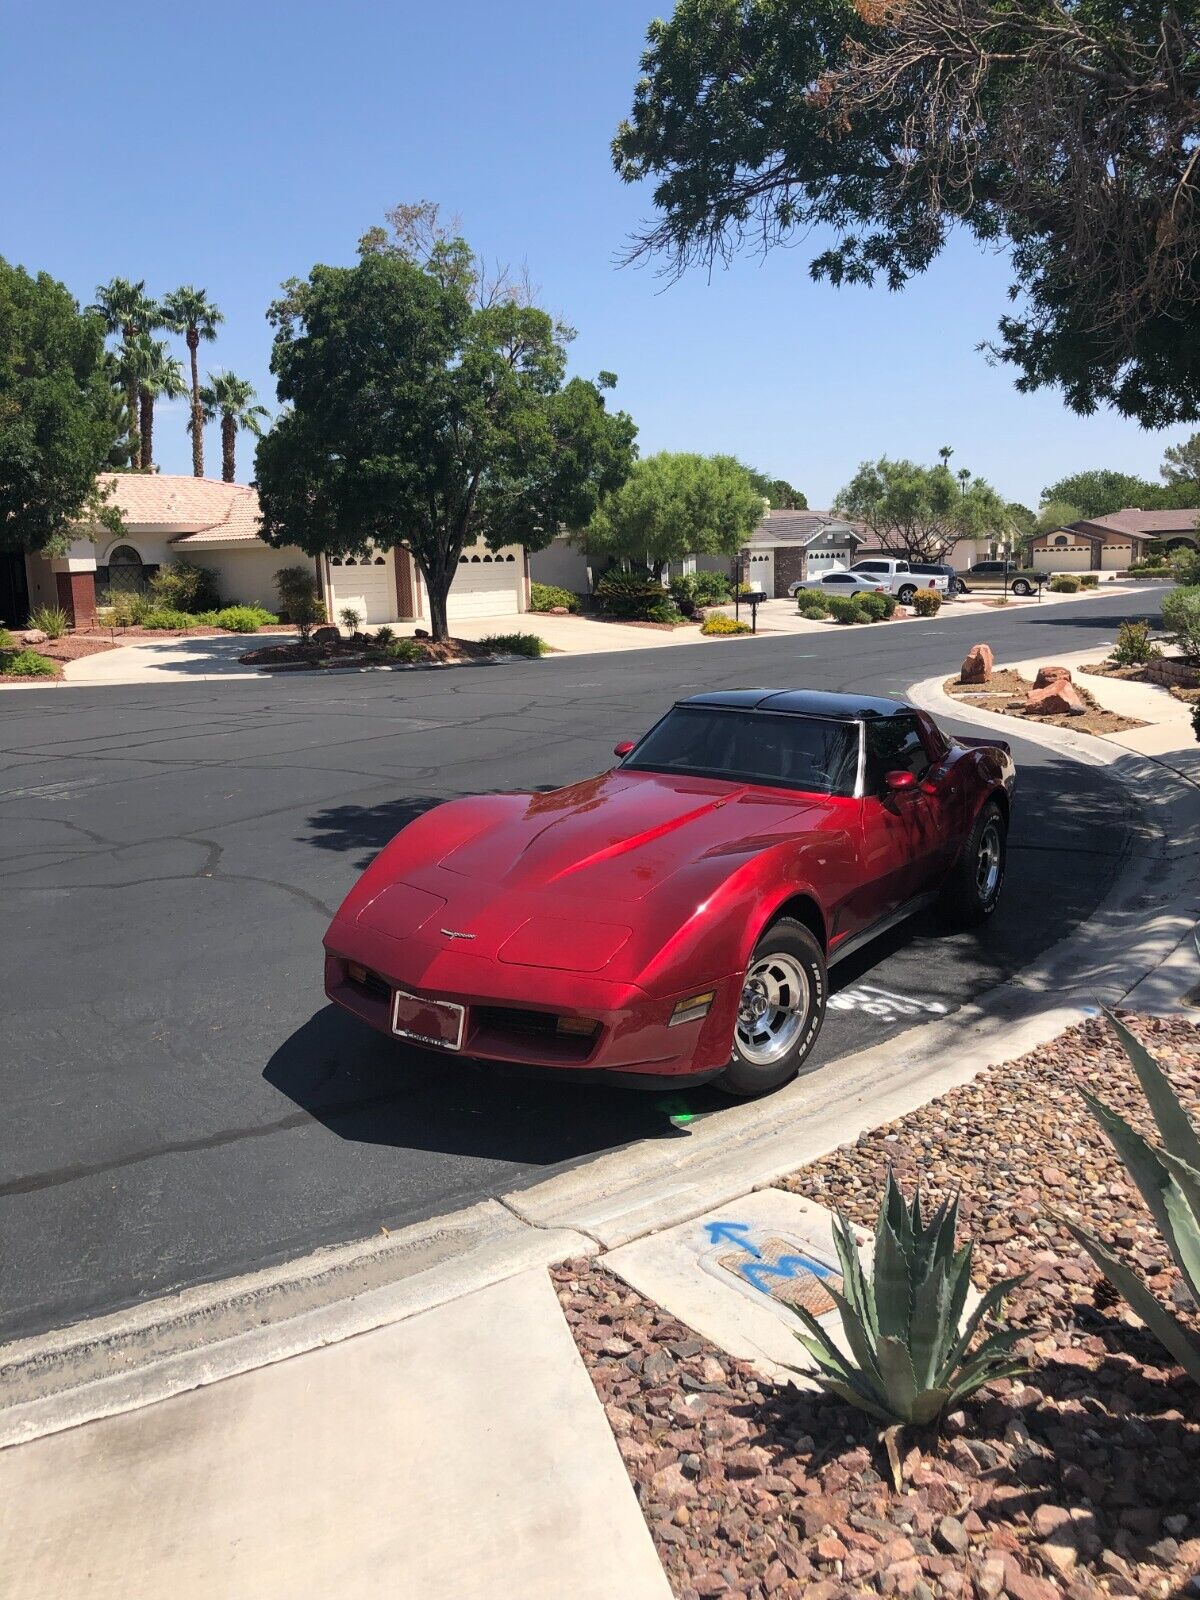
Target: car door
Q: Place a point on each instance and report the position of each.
(904, 832)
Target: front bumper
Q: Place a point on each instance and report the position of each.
(511, 1011)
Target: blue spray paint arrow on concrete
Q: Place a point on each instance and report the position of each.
(786, 1267)
(730, 1233)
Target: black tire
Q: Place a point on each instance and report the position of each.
(905, 596)
(796, 950)
(972, 891)
(1022, 587)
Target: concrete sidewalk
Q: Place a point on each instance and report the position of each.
(460, 1454)
(202, 659)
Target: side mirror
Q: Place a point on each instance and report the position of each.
(626, 745)
(899, 782)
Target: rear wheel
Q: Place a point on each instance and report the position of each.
(972, 891)
(905, 596)
(781, 1010)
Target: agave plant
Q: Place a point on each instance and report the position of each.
(911, 1352)
(1168, 1174)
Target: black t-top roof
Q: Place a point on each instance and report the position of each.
(802, 703)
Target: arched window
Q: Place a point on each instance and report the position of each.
(124, 570)
(1061, 539)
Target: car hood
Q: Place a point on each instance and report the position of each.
(616, 837)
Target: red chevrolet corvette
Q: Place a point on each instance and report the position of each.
(674, 918)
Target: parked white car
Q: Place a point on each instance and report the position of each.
(840, 582)
(895, 575)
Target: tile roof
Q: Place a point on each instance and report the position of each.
(1130, 520)
(188, 510)
(801, 527)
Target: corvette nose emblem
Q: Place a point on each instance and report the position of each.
(452, 933)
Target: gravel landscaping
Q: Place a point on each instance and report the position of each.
(1006, 690)
(1082, 1479)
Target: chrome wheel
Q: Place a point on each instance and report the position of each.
(773, 1008)
(987, 862)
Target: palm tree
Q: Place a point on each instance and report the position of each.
(159, 377)
(229, 398)
(189, 311)
(126, 309)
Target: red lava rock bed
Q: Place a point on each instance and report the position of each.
(355, 653)
(1080, 1480)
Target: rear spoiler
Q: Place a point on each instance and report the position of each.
(984, 744)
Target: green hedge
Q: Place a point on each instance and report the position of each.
(1064, 583)
(546, 596)
(515, 644)
(812, 603)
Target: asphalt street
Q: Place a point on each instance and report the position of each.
(180, 1101)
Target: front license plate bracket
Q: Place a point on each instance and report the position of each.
(437, 1023)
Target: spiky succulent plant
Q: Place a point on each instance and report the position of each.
(1168, 1175)
(910, 1350)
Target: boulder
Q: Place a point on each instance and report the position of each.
(33, 636)
(977, 665)
(1048, 675)
(559, 611)
(1058, 698)
(421, 633)
(327, 634)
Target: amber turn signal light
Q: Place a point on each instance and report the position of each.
(693, 1007)
(583, 1026)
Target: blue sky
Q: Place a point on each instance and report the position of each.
(234, 145)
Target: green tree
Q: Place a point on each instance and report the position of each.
(57, 427)
(1057, 514)
(425, 405)
(921, 512)
(1100, 492)
(674, 505)
(127, 310)
(159, 377)
(1063, 129)
(230, 398)
(1181, 466)
(778, 491)
(189, 311)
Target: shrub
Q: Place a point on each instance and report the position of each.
(515, 644)
(27, 664)
(406, 651)
(1185, 567)
(52, 620)
(1063, 583)
(183, 586)
(683, 594)
(1168, 1175)
(878, 607)
(7, 642)
(129, 610)
(298, 598)
(1089, 580)
(845, 609)
(350, 619)
(1181, 618)
(546, 596)
(162, 619)
(812, 603)
(912, 1353)
(927, 602)
(710, 588)
(664, 612)
(630, 595)
(1134, 645)
(384, 635)
(719, 625)
(243, 619)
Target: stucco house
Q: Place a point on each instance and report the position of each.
(215, 525)
(1111, 543)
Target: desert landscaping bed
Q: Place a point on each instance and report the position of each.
(1081, 1479)
(342, 653)
(1006, 692)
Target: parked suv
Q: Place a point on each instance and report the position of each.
(1002, 575)
(896, 576)
(939, 569)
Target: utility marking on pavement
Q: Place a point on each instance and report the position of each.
(676, 1108)
(883, 1004)
(729, 1233)
(780, 1269)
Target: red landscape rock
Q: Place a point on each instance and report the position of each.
(1058, 698)
(977, 665)
(1048, 675)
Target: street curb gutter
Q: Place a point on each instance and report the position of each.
(1135, 946)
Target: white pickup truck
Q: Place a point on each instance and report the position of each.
(894, 574)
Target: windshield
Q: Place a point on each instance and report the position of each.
(787, 752)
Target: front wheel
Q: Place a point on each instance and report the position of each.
(1021, 587)
(972, 891)
(780, 1013)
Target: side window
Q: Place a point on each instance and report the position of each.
(902, 566)
(894, 744)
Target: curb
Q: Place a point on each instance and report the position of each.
(1135, 946)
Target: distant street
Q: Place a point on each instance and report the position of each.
(181, 1103)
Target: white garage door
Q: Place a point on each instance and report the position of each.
(486, 585)
(760, 571)
(365, 584)
(827, 561)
